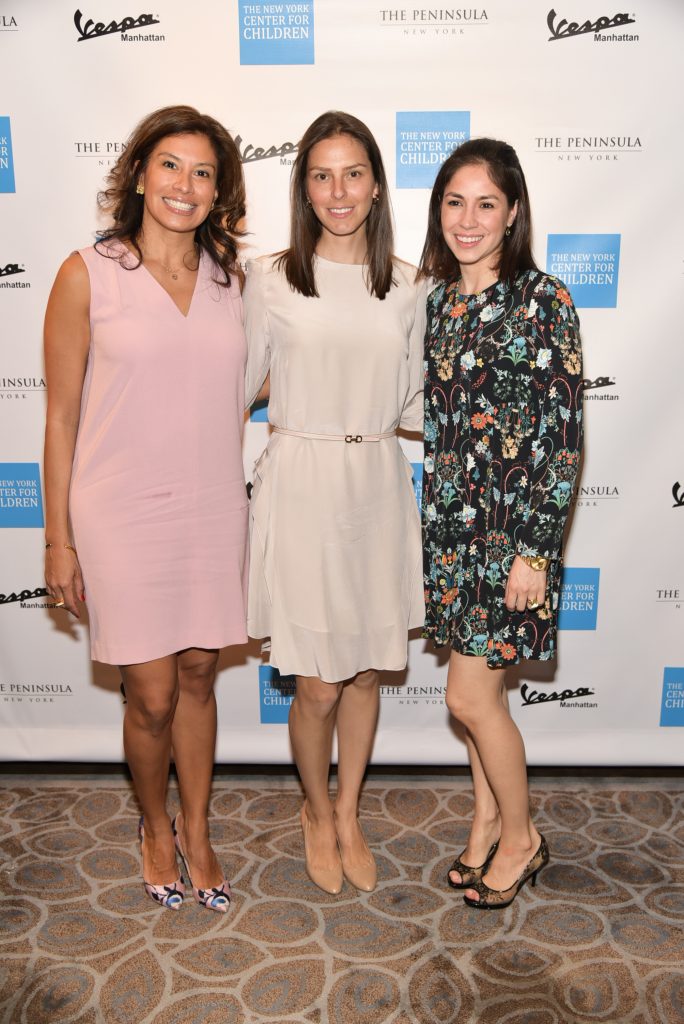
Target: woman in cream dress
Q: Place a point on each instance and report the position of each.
(335, 579)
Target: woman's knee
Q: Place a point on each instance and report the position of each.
(197, 673)
(316, 696)
(151, 711)
(369, 680)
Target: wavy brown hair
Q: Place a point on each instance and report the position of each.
(503, 167)
(218, 234)
(305, 228)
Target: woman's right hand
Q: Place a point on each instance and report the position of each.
(63, 577)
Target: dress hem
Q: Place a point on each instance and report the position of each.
(107, 658)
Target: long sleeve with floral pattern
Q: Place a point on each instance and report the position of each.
(503, 432)
(557, 375)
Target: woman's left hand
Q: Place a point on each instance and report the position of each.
(526, 587)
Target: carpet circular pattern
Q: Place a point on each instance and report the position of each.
(599, 939)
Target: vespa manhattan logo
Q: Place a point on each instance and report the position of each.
(678, 495)
(23, 596)
(599, 383)
(250, 154)
(11, 270)
(563, 29)
(536, 697)
(95, 29)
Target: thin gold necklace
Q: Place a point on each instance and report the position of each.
(174, 271)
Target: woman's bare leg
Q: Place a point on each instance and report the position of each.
(194, 743)
(312, 723)
(486, 825)
(151, 695)
(357, 719)
(475, 697)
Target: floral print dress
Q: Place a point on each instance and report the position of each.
(503, 433)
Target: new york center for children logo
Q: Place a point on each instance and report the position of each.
(424, 141)
(672, 704)
(417, 468)
(276, 33)
(588, 265)
(21, 502)
(6, 157)
(578, 607)
(276, 693)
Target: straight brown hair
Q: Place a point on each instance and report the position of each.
(305, 228)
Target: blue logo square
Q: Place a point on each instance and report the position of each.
(6, 157)
(579, 595)
(276, 693)
(588, 265)
(259, 412)
(672, 705)
(21, 500)
(424, 141)
(276, 33)
(417, 468)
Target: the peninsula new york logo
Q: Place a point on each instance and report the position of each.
(276, 693)
(20, 387)
(276, 33)
(598, 149)
(579, 597)
(424, 141)
(130, 29)
(601, 28)
(433, 21)
(672, 701)
(21, 501)
(8, 23)
(588, 265)
(6, 157)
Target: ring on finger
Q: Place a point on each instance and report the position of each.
(59, 604)
(532, 605)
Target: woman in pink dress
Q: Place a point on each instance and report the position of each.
(145, 357)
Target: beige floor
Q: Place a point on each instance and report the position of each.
(599, 939)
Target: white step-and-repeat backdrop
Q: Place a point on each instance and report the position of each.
(587, 91)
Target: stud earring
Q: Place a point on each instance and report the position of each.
(140, 189)
(376, 199)
(507, 232)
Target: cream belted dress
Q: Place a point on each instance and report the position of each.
(336, 562)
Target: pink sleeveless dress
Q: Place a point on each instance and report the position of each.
(158, 501)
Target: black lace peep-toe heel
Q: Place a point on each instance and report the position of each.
(470, 874)
(497, 899)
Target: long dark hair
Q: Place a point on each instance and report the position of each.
(503, 167)
(305, 228)
(217, 235)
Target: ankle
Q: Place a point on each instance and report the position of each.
(318, 817)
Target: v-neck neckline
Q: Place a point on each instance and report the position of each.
(167, 293)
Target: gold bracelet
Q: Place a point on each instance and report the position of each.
(69, 547)
(537, 562)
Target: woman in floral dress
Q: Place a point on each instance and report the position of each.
(503, 431)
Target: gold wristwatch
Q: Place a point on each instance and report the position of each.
(536, 562)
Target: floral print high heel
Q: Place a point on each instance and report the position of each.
(218, 897)
(169, 896)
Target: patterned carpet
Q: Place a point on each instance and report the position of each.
(599, 939)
